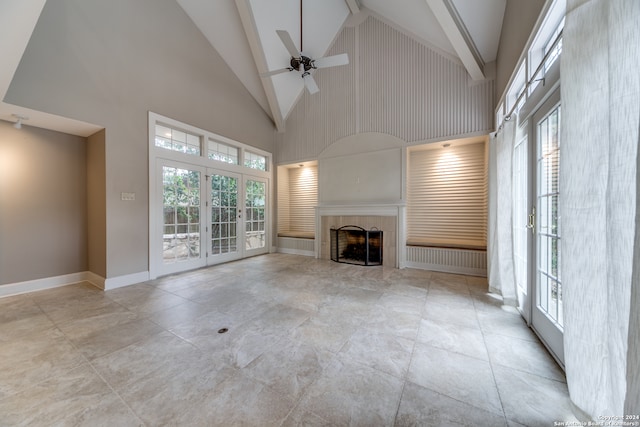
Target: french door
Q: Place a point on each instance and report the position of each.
(238, 210)
(536, 224)
(547, 312)
(207, 216)
(180, 227)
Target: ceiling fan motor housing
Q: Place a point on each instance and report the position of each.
(304, 60)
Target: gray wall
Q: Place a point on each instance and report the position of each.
(43, 218)
(96, 204)
(519, 18)
(109, 63)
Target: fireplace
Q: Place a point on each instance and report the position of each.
(351, 244)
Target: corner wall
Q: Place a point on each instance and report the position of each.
(96, 204)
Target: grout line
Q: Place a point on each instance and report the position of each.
(493, 374)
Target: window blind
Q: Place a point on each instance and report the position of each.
(283, 199)
(447, 196)
(303, 197)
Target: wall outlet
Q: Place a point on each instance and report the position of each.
(128, 196)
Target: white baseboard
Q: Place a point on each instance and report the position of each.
(68, 279)
(42, 284)
(126, 280)
(94, 279)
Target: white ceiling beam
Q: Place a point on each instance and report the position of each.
(447, 15)
(354, 7)
(251, 31)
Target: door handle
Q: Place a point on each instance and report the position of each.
(531, 224)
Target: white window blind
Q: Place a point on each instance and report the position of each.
(283, 199)
(303, 197)
(447, 196)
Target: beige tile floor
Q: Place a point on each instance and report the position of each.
(309, 342)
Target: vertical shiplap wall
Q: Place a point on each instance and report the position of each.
(393, 85)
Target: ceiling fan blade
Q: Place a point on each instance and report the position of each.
(310, 84)
(274, 72)
(331, 61)
(288, 43)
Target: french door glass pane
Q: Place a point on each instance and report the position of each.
(181, 214)
(224, 214)
(548, 233)
(255, 206)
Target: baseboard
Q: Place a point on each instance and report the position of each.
(42, 284)
(94, 279)
(100, 282)
(126, 280)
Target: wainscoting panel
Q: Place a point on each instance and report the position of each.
(290, 245)
(394, 85)
(460, 261)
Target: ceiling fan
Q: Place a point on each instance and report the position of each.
(304, 64)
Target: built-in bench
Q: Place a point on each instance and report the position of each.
(296, 242)
(475, 245)
(298, 234)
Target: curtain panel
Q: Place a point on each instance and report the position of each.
(500, 245)
(599, 179)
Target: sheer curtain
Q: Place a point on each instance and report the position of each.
(599, 179)
(500, 246)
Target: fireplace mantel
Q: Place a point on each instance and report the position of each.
(366, 213)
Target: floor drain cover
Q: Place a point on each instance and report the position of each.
(223, 330)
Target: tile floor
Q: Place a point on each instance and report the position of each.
(309, 342)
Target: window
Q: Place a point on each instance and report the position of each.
(447, 196)
(553, 51)
(171, 139)
(222, 152)
(499, 116)
(177, 140)
(255, 161)
(517, 93)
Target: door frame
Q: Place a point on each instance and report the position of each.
(242, 251)
(546, 329)
(156, 243)
(158, 155)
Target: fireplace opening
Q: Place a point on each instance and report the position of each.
(351, 244)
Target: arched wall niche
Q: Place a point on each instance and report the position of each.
(365, 168)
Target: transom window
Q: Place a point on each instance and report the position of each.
(177, 140)
(222, 152)
(553, 51)
(168, 135)
(255, 161)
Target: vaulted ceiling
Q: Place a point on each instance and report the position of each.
(244, 34)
